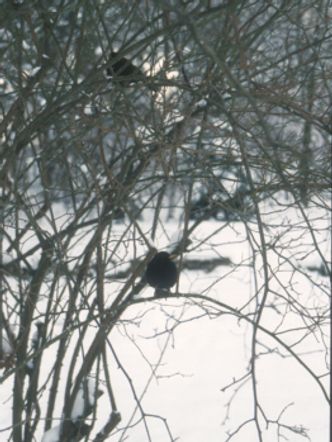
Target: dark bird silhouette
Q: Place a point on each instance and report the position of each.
(122, 71)
(161, 271)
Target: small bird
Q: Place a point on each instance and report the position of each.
(123, 71)
(161, 271)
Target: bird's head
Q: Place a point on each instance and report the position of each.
(164, 256)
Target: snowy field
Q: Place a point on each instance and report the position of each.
(188, 357)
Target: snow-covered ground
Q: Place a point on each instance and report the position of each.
(185, 354)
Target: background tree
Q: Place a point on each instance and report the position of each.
(227, 124)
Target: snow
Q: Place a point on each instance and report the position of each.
(52, 435)
(81, 401)
(78, 407)
(199, 348)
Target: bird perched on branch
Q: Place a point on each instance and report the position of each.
(161, 271)
(122, 71)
